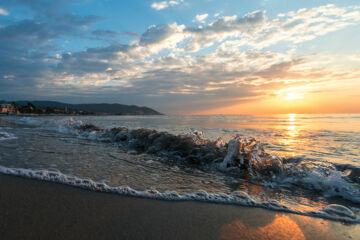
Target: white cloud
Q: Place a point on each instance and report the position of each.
(165, 4)
(258, 31)
(201, 17)
(161, 63)
(164, 52)
(165, 36)
(3, 12)
(226, 27)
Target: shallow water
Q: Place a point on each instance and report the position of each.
(320, 156)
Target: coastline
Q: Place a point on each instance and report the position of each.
(61, 114)
(34, 209)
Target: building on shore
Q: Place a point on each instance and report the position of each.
(7, 108)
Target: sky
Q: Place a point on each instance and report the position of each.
(184, 57)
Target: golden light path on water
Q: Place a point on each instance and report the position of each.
(291, 132)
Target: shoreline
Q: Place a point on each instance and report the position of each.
(34, 209)
(60, 114)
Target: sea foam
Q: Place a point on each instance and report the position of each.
(332, 212)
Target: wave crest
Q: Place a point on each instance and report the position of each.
(239, 153)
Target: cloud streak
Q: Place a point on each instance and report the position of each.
(165, 4)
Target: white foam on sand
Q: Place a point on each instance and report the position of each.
(333, 211)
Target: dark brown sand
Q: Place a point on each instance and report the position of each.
(31, 209)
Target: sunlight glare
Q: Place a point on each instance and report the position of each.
(291, 93)
(291, 118)
(294, 96)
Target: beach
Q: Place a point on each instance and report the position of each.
(176, 119)
(32, 209)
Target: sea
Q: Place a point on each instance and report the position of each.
(297, 163)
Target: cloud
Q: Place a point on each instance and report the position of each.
(38, 34)
(165, 4)
(161, 34)
(164, 66)
(3, 12)
(256, 30)
(27, 46)
(201, 17)
(131, 34)
(157, 33)
(104, 34)
(227, 27)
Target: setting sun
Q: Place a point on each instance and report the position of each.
(291, 93)
(294, 96)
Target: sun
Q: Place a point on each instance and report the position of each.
(291, 94)
(294, 95)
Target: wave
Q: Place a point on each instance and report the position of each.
(239, 154)
(333, 211)
(6, 136)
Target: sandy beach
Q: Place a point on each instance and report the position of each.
(178, 119)
(32, 209)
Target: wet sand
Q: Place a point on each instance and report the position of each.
(32, 209)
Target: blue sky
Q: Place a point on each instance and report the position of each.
(182, 56)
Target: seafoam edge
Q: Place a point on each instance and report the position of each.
(333, 211)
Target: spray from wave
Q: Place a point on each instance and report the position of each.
(240, 154)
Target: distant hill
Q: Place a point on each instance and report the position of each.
(96, 108)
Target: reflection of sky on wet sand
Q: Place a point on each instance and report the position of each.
(284, 226)
(258, 192)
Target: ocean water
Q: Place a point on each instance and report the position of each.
(306, 164)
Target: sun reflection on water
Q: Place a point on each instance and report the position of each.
(292, 130)
(290, 134)
(292, 117)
